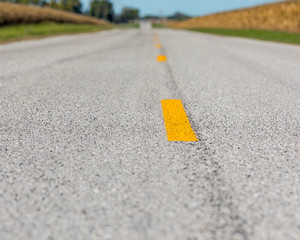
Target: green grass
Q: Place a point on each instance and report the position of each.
(275, 36)
(127, 25)
(19, 32)
(134, 25)
(157, 25)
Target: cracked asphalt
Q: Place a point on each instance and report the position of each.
(84, 152)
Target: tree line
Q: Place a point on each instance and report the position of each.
(103, 9)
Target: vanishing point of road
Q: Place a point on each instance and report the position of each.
(149, 134)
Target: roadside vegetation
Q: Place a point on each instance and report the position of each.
(23, 14)
(36, 11)
(281, 16)
(133, 25)
(26, 19)
(31, 31)
(157, 25)
(276, 36)
(279, 22)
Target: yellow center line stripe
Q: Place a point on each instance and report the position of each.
(156, 39)
(158, 45)
(161, 58)
(177, 124)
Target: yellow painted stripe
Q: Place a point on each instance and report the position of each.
(156, 39)
(158, 45)
(161, 58)
(177, 124)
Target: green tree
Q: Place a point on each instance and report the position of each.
(178, 16)
(53, 4)
(70, 5)
(129, 14)
(102, 9)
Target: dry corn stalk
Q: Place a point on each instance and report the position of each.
(17, 13)
(282, 16)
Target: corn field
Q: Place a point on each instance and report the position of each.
(282, 16)
(22, 14)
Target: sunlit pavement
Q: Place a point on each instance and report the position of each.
(84, 143)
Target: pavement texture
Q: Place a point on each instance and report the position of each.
(83, 146)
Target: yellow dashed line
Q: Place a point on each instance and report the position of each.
(158, 45)
(177, 124)
(161, 58)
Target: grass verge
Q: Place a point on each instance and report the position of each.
(29, 31)
(127, 25)
(134, 25)
(275, 36)
(157, 25)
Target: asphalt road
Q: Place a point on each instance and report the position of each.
(84, 151)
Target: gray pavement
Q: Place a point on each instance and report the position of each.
(84, 152)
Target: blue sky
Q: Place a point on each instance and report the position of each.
(192, 7)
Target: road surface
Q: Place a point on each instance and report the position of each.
(84, 149)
